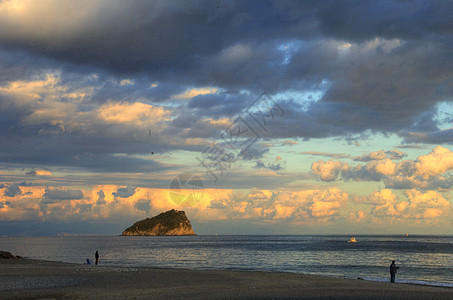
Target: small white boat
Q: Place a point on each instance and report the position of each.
(352, 240)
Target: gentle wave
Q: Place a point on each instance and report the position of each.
(416, 282)
(426, 260)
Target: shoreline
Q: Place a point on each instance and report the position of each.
(379, 280)
(30, 278)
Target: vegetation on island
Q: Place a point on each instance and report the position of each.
(172, 222)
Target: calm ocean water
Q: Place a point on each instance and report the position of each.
(422, 259)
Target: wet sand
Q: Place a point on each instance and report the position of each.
(25, 278)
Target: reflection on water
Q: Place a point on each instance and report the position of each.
(420, 258)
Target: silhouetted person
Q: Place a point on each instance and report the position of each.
(393, 269)
(96, 255)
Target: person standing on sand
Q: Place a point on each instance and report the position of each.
(96, 255)
(393, 270)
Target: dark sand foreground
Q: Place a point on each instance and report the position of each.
(25, 278)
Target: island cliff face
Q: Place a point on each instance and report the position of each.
(172, 222)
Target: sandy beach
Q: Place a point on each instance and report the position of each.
(36, 279)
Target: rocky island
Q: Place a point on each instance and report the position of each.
(172, 222)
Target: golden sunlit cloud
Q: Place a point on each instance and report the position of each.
(428, 171)
(43, 173)
(126, 82)
(220, 123)
(28, 92)
(42, 98)
(437, 162)
(324, 206)
(419, 205)
(137, 114)
(328, 170)
(195, 92)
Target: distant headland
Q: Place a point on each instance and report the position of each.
(172, 222)
(7, 255)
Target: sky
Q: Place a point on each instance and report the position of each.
(254, 117)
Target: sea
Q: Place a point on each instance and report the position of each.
(426, 260)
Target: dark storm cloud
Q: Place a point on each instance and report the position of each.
(396, 85)
(110, 163)
(321, 119)
(139, 88)
(355, 20)
(20, 65)
(191, 125)
(10, 116)
(159, 37)
(152, 37)
(219, 104)
(433, 137)
(223, 43)
(96, 162)
(76, 150)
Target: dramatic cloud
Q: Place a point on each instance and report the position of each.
(419, 205)
(328, 170)
(309, 206)
(89, 83)
(124, 96)
(428, 171)
(289, 46)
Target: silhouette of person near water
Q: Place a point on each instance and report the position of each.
(96, 255)
(393, 269)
